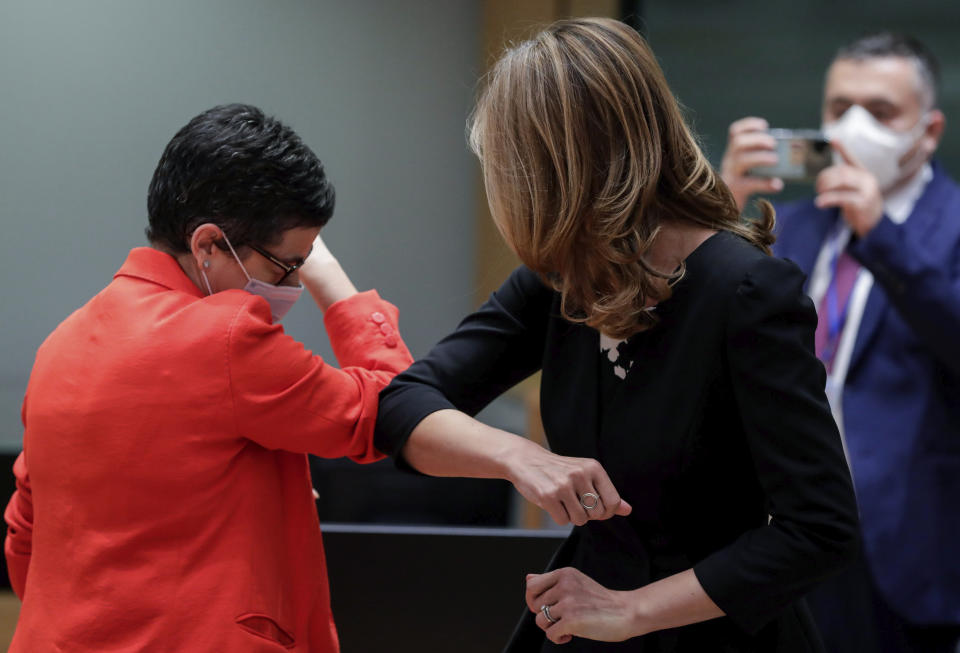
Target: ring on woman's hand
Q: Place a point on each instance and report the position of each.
(589, 495)
(545, 609)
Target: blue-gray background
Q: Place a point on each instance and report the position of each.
(91, 91)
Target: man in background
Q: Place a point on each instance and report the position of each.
(880, 243)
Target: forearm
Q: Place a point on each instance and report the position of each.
(677, 600)
(451, 443)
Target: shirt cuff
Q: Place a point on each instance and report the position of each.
(739, 602)
(363, 333)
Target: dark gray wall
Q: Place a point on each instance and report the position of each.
(727, 60)
(90, 92)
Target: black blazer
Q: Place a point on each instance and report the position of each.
(720, 437)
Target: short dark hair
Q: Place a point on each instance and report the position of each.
(891, 44)
(243, 170)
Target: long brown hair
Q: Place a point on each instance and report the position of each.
(585, 154)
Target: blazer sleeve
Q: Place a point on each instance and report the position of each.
(925, 291)
(18, 544)
(284, 397)
(796, 452)
(490, 351)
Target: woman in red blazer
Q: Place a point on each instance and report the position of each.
(164, 501)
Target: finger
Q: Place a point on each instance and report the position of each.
(761, 184)
(839, 177)
(841, 198)
(555, 509)
(556, 637)
(753, 142)
(535, 602)
(746, 186)
(845, 154)
(554, 630)
(578, 514)
(740, 156)
(747, 161)
(840, 187)
(542, 621)
(604, 499)
(609, 497)
(558, 630)
(550, 596)
(537, 585)
(599, 509)
(748, 124)
(613, 503)
(826, 179)
(558, 633)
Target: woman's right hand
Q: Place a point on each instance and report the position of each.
(558, 485)
(450, 443)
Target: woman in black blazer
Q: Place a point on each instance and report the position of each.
(675, 351)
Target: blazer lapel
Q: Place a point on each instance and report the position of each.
(927, 213)
(807, 233)
(872, 312)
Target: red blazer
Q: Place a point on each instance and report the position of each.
(164, 501)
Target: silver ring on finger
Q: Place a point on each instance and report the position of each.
(545, 609)
(589, 500)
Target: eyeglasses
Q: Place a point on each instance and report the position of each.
(287, 268)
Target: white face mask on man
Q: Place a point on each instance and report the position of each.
(876, 146)
(280, 298)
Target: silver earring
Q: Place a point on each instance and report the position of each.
(206, 264)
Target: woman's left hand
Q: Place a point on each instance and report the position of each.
(582, 607)
(322, 275)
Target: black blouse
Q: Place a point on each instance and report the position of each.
(718, 434)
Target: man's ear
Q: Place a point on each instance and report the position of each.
(934, 131)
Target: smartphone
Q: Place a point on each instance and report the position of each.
(801, 154)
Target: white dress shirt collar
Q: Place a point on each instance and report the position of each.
(899, 205)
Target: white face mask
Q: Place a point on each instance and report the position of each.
(876, 146)
(280, 298)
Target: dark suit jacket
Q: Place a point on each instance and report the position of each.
(721, 422)
(901, 401)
